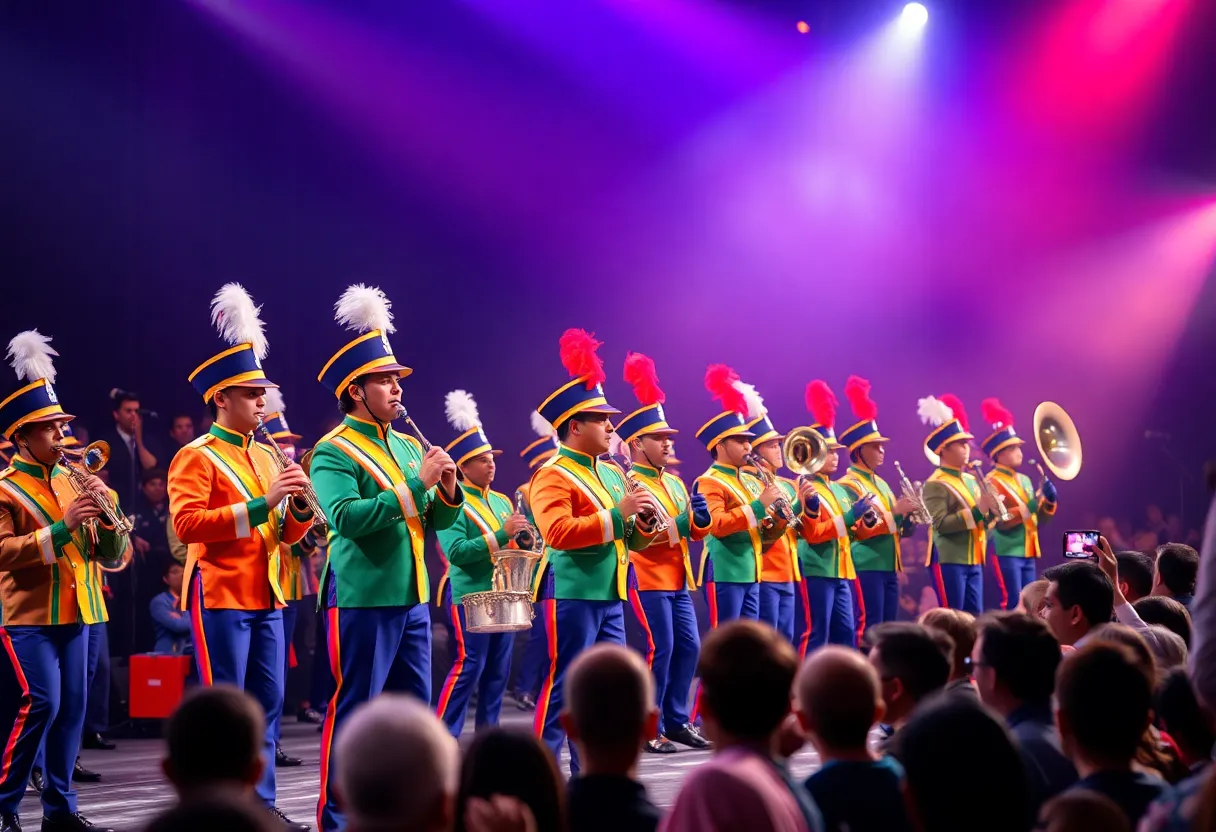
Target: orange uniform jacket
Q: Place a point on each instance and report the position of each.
(217, 488)
(665, 564)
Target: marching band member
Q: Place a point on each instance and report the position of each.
(876, 542)
(738, 505)
(380, 491)
(488, 523)
(589, 519)
(779, 574)
(289, 558)
(662, 572)
(231, 506)
(51, 538)
(536, 654)
(958, 540)
(1017, 541)
(825, 549)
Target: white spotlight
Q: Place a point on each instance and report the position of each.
(914, 16)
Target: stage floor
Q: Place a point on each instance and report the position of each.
(134, 789)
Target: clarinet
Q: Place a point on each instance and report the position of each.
(307, 493)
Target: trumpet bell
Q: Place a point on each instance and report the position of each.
(1058, 440)
(805, 451)
(95, 456)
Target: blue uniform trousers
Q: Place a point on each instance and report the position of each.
(1017, 572)
(291, 614)
(777, 607)
(831, 601)
(879, 598)
(672, 647)
(97, 713)
(371, 650)
(50, 664)
(964, 587)
(482, 663)
(572, 627)
(728, 601)
(243, 648)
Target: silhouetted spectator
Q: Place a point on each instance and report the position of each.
(512, 764)
(1168, 612)
(1177, 570)
(1135, 574)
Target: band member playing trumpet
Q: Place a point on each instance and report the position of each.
(780, 577)
(590, 518)
(876, 550)
(54, 530)
(233, 507)
(487, 524)
(535, 660)
(825, 550)
(662, 572)
(739, 504)
(1017, 541)
(960, 508)
(380, 491)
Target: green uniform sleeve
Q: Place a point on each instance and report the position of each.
(945, 521)
(441, 512)
(464, 544)
(335, 478)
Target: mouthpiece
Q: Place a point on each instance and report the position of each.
(399, 411)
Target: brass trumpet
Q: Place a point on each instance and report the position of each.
(916, 493)
(651, 522)
(986, 488)
(92, 459)
(781, 508)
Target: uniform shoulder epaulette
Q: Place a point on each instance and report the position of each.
(205, 439)
(409, 439)
(332, 434)
(500, 494)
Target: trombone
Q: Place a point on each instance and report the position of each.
(92, 459)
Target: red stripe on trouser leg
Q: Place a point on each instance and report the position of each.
(635, 601)
(806, 619)
(546, 689)
(6, 763)
(1000, 582)
(445, 695)
(939, 585)
(861, 609)
(198, 633)
(331, 714)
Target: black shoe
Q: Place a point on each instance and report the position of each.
(525, 702)
(74, 822)
(282, 760)
(690, 735)
(287, 822)
(36, 781)
(96, 742)
(660, 745)
(10, 823)
(310, 715)
(80, 774)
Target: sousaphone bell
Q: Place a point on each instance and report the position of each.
(1058, 441)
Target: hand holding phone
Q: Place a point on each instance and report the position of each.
(1081, 544)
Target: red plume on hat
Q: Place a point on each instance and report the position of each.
(956, 405)
(857, 391)
(996, 414)
(642, 376)
(720, 381)
(821, 402)
(577, 347)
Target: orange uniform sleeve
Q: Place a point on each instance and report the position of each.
(726, 521)
(554, 501)
(190, 487)
(38, 548)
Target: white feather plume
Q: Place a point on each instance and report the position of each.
(755, 403)
(234, 314)
(541, 425)
(461, 410)
(933, 411)
(30, 354)
(364, 308)
(274, 401)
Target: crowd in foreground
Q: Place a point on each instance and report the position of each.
(1074, 711)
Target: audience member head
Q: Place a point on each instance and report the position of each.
(1103, 698)
(609, 708)
(1160, 609)
(1079, 598)
(218, 810)
(181, 429)
(513, 764)
(152, 483)
(1033, 598)
(1177, 568)
(1082, 810)
(1168, 648)
(1181, 715)
(959, 625)
(1135, 574)
(172, 576)
(1015, 661)
(397, 767)
(124, 406)
(747, 671)
(945, 789)
(912, 662)
(1122, 634)
(839, 700)
(215, 741)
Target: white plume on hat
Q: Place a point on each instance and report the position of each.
(933, 411)
(30, 354)
(541, 425)
(274, 401)
(364, 308)
(755, 403)
(234, 314)
(461, 410)
(616, 447)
